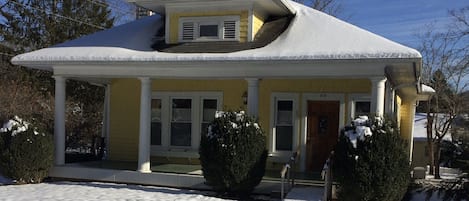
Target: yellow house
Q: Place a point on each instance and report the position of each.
(303, 73)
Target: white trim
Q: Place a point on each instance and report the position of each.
(225, 69)
(304, 118)
(211, 20)
(277, 96)
(250, 25)
(354, 98)
(166, 149)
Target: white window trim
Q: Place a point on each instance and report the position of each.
(165, 149)
(356, 98)
(219, 20)
(281, 155)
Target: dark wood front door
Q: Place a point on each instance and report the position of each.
(322, 132)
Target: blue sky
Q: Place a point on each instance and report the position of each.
(399, 20)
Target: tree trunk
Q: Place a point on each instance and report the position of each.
(430, 140)
(437, 160)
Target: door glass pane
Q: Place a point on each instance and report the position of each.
(209, 109)
(284, 126)
(362, 108)
(181, 125)
(156, 122)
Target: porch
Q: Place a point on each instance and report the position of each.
(187, 176)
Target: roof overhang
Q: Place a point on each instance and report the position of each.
(274, 7)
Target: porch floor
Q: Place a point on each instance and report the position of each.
(301, 177)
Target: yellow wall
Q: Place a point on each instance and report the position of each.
(124, 119)
(125, 107)
(125, 102)
(407, 111)
(174, 22)
(257, 22)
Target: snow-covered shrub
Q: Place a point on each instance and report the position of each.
(371, 161)
(233, 153)
(26, 153)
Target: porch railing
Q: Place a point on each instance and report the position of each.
(287, 176)
(328, 179)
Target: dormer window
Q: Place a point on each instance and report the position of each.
(201, 29)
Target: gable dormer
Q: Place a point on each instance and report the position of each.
(214, 20)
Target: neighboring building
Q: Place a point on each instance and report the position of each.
(142, 12)
(303, 73)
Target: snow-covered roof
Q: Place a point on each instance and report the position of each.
(420, 127)
(312, 35)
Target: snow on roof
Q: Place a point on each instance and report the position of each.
(312, 35)
(427, 89)
(420, 127)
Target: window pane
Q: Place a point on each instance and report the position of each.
(208, 30)
(156, 122)
(181, 126)
(284, 112)
(181, 134)
(362, 108)
(155, 133)
(284, 138)
(209, 109)
(182, 110)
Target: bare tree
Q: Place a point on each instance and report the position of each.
(445, 68)
(331, 7)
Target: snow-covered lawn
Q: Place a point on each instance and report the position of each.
(90, 191)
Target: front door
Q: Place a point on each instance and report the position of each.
(322, 132)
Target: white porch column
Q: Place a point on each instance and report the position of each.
(390, 93)
(59, 120)
(253, 96)
(145, 126)
(377, 95)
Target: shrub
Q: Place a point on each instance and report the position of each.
(233, 153)
(371, 161)
(26, 153)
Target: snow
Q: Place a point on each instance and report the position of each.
(420, 127)
(15, 125)
(361, 130)
(312, 35)
(95, 191)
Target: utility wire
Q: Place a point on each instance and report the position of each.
(57, 15)
(114, 8)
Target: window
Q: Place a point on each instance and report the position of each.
(284, 124)
(179, 118)
(156, 122)
(220, 28)
(360, 104)
(209, 107)
(181, 122)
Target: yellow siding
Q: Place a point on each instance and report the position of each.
(407, 122)
(124, 119)
(125, 107)
(257, 23)
(125, 102)
(174, 22)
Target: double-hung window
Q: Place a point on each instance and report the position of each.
(360, 104)
(284, 122)
(180, 118)
(219, 28)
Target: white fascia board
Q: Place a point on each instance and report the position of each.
(226, 70)
(204, 6)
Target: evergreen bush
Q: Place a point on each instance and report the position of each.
(371, 161)
(233, 153)
(26, 153)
